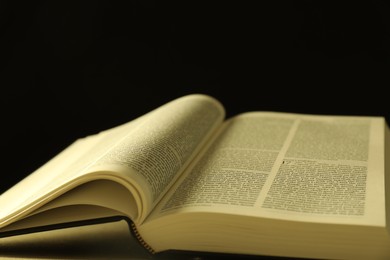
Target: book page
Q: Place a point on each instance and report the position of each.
(297, 167)
(165, 144)
(64, 169)
(145, 155)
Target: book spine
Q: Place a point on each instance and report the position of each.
(140, 239)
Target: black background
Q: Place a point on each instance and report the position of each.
(73, 68)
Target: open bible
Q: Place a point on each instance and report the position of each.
(257, 183)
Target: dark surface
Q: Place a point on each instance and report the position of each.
(70, 69)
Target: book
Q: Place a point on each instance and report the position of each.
(189, 179)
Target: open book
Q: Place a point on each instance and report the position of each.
(261, 183)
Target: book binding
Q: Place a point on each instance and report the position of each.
(140, 239)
